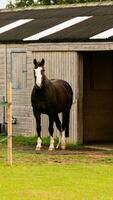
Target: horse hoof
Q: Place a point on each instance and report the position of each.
(57, 146)
(38, 148)
(63, 147)
(51, 148)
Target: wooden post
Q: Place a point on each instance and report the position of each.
(9, 122)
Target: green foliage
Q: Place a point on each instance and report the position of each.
(28, 3)
(20, 4)
(45, 2)
(24, 3)
(10, 5)
(58, 2)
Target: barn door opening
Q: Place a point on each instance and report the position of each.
(98, 96)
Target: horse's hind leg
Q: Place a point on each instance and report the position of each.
(65, 128)
(51, 147)
(38, 128)
(59, 127)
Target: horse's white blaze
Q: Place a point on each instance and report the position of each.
(38, 76)
(51, 147)
(39, 142)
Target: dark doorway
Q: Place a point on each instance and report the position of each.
(98, 96)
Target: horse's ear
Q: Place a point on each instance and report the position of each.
(42, 62)
(35, 62)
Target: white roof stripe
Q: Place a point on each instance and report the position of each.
(103, 35)
(14, 25)
(57, 28)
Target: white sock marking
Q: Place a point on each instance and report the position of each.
(59, 140)
(51, 147)
(39, 142)
(63, 142)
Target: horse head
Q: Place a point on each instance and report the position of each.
(39, 72)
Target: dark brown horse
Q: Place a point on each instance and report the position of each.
(51, 97)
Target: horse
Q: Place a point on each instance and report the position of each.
(51, 97)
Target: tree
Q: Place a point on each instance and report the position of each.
(20, 4)
(27, 3)
(10, 5)
(45, 2)
(24, 3)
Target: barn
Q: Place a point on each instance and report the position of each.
(77, 45)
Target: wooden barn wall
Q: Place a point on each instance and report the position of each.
(61, 62)
(61, 65)
(18, 66)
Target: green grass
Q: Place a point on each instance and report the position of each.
(74, 174)
(56, 182)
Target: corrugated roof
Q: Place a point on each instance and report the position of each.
(98, 19)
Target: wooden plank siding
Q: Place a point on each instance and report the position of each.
(19, 70)
(16, 60)
(59, 64)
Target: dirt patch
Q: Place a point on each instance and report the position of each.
(84, 154)
(85, 150)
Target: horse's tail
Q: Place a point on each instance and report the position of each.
(65, 123)
(66, 113)
(70, 93)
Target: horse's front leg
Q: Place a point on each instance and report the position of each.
(38, 128)
(51, 130)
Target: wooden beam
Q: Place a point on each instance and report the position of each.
(9, 122)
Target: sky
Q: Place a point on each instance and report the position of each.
(3, 3)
